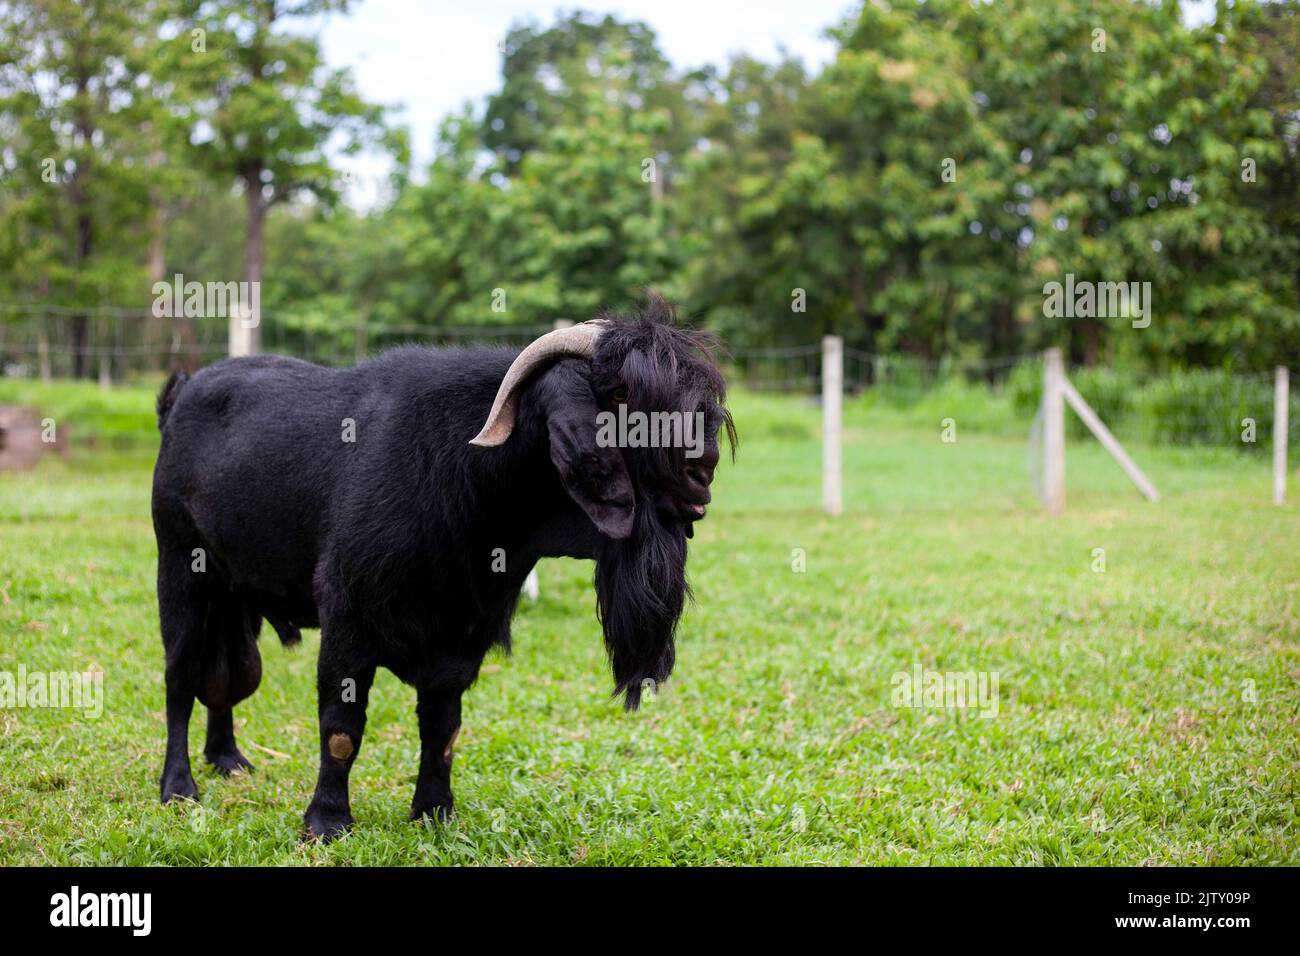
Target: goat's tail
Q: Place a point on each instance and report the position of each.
(167, 397)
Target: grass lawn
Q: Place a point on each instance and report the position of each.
(1147, 713)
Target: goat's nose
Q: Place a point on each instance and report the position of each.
(700, 474)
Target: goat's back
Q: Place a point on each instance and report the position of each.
(263, 455)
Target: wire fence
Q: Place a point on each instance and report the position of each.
(949, 411)
(966, 431)
(798, 369)
(115, 343)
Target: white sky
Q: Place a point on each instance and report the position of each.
(432, 56)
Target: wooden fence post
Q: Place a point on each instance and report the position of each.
(242, 340)
(1281, 406)
(1108, 441)
(832, 423)
(1054, 431)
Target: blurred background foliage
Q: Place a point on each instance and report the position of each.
(598, 168)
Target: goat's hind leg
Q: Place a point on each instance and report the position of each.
(182, 605)
(220, 749)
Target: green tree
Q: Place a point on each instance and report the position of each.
(955, 157)
(854, 196)
(549, 75)
(1134, 173)
(737, 267)
(265, 110)
(567, 212)
(74, 176)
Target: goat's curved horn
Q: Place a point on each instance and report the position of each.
(574, 340)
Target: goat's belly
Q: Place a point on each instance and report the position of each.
(291, 606)
(260, 549)
(432, 671)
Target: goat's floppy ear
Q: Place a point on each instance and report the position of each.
(595, 477)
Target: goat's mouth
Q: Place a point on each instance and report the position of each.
(683, 511)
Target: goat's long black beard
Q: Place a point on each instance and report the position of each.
(641, 588)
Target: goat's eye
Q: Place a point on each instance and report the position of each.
(619, 395)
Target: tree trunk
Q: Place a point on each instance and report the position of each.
(85, 242)
(246, 328)
(246, 336)
(1091, 341)
(157, 328)
(42, 333)
(363, 324)
(155, 334)
(80, 322)
(80, 340)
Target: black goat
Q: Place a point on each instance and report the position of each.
(353, 500)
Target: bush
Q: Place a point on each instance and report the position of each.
(1111, 392)
(1188, 407)
(1207, 407)
(975, 406)
(119, 417)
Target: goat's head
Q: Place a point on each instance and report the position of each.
(633, 428)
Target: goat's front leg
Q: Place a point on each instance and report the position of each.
(439, 713)
(343, 679)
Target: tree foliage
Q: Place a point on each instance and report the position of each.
(915, 194)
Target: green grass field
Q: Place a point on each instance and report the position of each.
(1148, 713)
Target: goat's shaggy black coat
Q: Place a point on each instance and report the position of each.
(393, 543)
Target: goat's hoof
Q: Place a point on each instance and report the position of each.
(323, 826)
(228, 761)
(179, 786)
